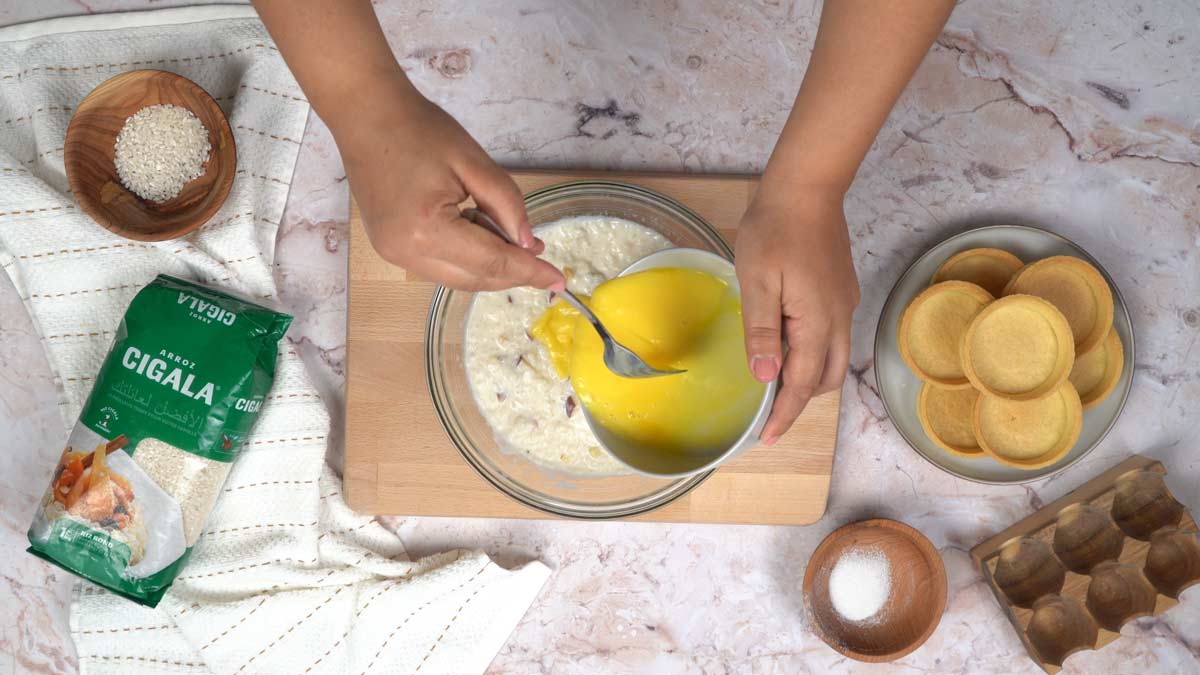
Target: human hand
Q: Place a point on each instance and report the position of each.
(798, 282)
(410, 165)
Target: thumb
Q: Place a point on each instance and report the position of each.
(761, 318)
(496, 193)
(499, 265)
(540, 274)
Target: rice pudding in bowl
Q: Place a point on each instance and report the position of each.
(484, 370)
(531, 407)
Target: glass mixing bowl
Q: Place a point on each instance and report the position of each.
(542, 488)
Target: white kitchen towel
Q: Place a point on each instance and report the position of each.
(286, 579)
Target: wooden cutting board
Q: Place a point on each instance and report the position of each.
(403, 463)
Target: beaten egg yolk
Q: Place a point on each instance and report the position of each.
(673, 318)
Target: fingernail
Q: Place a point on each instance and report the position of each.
(764, 368)
(769, 440)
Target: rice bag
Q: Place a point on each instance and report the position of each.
(188, 372)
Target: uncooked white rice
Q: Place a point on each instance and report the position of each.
(193, 481)
(159, 149)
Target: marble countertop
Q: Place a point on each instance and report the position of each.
(1081, 117)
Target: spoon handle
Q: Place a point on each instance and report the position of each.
(480, 218)
(586, 311)
(617, 357)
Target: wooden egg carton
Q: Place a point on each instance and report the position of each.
(1070, 575)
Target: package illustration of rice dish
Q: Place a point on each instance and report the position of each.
(185, 379)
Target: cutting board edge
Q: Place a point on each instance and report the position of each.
(522, 511)
(356, 486)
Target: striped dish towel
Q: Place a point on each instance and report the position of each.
(286, 579)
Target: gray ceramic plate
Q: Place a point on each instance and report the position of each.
(898, 387)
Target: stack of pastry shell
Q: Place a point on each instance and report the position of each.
(1011, 354)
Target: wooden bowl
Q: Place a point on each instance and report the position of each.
(911, 612)
(92, 172)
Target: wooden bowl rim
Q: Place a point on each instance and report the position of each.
(83, 197)
(928, 552)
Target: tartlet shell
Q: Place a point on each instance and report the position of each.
(1025, 280)
(1003, 259)
(1110, 355)
(923, 414)
(1064, 346)
(903, 338)
(1069, 434)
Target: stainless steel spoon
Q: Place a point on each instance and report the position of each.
(620, 359)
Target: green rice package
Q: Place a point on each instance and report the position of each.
(185, 378)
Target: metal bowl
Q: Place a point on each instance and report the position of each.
(898, 386)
